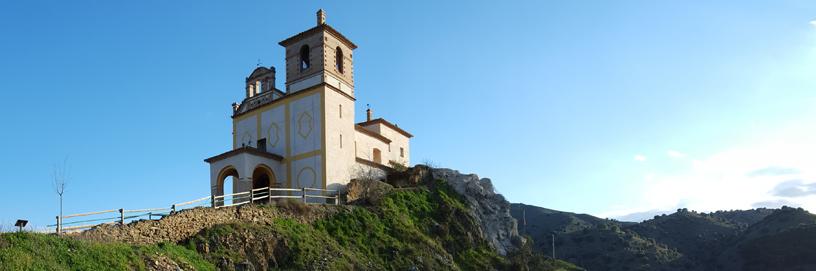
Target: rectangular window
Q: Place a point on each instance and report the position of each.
(341, 141)
(389, 147)
(402, 152)
(262, 144)
(341, 111)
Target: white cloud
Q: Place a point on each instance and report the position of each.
(813, 23)
(776, 168)
(640, 157)
(675, 154)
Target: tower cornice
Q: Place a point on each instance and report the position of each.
(323, 27)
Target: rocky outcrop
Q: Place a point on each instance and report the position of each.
(411, 177)
(363, 191)
(490, 209)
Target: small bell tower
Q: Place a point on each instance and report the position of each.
(261, 80)
(319, 55)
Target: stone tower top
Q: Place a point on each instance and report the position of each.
(321, 17)
(319, 55)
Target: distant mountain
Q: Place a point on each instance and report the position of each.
(694, 235)
(591, 242)
(758, 239)
(783, 240)
(743, 218)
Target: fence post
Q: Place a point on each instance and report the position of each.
(122, 216)
(269, 194)
(59, 225)
(252, 195)
(337, 198)
(303, 191)
(173, 209)
(212, 200)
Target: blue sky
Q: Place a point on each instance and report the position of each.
(585, 106)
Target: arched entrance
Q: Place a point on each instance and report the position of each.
(262, 177)
(227, 179)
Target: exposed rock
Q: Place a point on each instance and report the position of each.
(412, 177)
(490, 209)
(162, 263)
(367, 191)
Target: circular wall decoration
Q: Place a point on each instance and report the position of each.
(305, 124)
(246, 139)
(307, 177)
(272, 134)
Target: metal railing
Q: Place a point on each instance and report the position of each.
(257, 195)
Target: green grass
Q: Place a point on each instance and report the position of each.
(34, 251)
(428, 228)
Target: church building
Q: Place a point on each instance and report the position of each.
(306, 136)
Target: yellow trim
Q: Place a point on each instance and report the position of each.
(288, 128)
(303, 156)
(258, 128)
(324, 147)
(320, 88)
(302, 93)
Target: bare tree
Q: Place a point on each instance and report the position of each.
(60, 174)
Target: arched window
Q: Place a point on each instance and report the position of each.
(339, 61)
(377, 156)
(304, 57)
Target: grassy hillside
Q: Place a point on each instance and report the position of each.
(33, 251)
(421, 228)
(425, 227)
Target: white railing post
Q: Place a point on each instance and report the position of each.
(212, 200)
(269, 194)
(59, 225)
(251, 195)
(337, 198)
(173, 209)
(122, 216)
(303, 191)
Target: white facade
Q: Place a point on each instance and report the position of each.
(307, 136)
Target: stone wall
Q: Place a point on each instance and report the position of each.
(186, 223)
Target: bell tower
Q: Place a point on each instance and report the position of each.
(319, 55)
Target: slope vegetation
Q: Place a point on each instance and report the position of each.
(759, 239)
(429, 226)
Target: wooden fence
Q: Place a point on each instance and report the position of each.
(257, 195)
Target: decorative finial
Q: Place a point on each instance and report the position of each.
(259, 63)
(321, 17)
